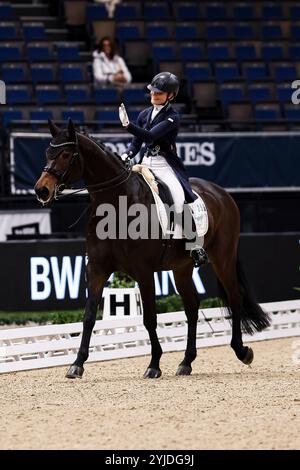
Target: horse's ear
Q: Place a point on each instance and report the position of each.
(53, 128)
(71, 130)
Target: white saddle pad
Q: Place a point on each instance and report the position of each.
(199, 209)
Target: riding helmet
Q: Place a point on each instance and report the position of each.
(164, 82)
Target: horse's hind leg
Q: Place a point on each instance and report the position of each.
(227, 275)
(189, 295)
(147, 289)
(96, 283)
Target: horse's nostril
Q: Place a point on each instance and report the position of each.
(42, 193)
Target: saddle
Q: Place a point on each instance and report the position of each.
(161, 195)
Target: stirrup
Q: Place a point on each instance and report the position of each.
(199, 256)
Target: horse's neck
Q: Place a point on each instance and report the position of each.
(99, 166)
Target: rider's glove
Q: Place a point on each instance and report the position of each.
(123, 115)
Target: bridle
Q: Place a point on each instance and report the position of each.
(62, 175)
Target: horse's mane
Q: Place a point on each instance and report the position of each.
(102, 146)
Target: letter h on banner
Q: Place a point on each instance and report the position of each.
(120, 302)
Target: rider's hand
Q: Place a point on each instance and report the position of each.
(123, 115)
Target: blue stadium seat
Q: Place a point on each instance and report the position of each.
(271, 32)
(40, 115)
(284, 72)
(198, 72)
(8, 31)
(186, 11)
(14, 73)
(13, 115)
(163, 52)
(272, 12)
(218, 52)
(68, 52)
(48, 94)
(96, 12)
(216, 12)
(245, 52)
(9, 52)
(157, 32)
(6, 12)
(292, 112)
(156, 11)
(105, 95)
(186, 32)
(295, 12)
(190, 51)
(272, 52)
(216, 32)
(128, 32)
(127, 11)
(284, 93)
(295, 32)
(34, 32)
(227, 72)
(75, 115)
(18, 94)
(39, 52)
(104, 115)
(42, 73)
(294, 52)
(267, 112)
(134, 95)
(70, 73)
(255, 71)
(258, 93)
(243, 31)
(133, 113)
(77, 94)
(232, 93)
(244, 12)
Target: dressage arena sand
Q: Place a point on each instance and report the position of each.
(222, 405)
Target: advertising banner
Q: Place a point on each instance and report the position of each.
(236, 161)
(50, 275)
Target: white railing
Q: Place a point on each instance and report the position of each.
(56, 345)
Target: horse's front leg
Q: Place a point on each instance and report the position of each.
(96, 281)
(189, 295)
(147, 288)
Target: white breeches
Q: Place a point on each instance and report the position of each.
(163, 171)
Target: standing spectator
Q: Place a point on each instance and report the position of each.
(108, 66)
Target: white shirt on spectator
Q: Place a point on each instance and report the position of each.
(105, 68)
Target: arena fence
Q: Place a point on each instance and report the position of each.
(56, 345)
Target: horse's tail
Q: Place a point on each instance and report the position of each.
(252, 316)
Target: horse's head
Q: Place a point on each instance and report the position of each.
(64, 164)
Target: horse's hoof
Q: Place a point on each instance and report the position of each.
(152, 373)
(75, 372)
(184, 370)
(249, 357)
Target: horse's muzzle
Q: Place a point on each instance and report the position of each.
(42, 193)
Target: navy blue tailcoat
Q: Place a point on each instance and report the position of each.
(160, 137)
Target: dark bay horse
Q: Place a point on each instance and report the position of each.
(73, 156)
